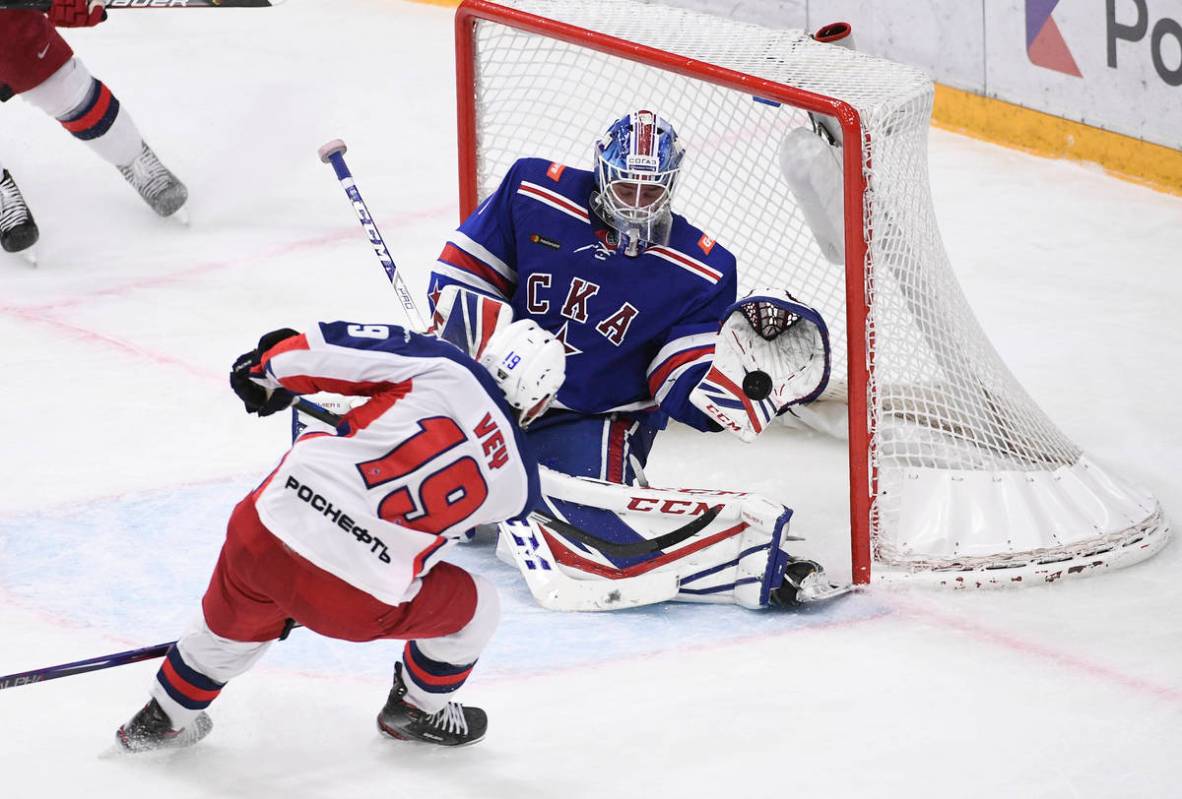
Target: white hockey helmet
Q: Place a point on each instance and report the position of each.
(528, 364)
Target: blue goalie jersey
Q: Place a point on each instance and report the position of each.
(639, 331)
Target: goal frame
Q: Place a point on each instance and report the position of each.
(858, 275)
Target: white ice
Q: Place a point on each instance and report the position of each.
(125, 450)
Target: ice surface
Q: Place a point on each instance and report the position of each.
(125, 451)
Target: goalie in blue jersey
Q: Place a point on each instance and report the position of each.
(645, 306)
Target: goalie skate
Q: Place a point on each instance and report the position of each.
(806, 582)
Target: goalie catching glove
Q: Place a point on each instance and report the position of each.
(771, 353)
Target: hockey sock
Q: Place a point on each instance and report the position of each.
(430, 684)
(435, 668)
(87, 108)
(182, 691)
(197, 668)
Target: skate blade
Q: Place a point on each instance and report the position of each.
(180, 216)
(820, 592)
(393, 736)
(29, 256)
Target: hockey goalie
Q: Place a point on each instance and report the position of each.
(645, 306)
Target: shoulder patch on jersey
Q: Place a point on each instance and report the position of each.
(706, 243)
(538, 238)
(555, 171)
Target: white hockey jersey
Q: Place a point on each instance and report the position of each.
(432, 453)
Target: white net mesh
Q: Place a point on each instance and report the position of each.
(942, 404)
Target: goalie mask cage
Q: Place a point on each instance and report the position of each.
(956, 476)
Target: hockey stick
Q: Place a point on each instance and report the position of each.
(44, 5)
(554, 590)
(333, 152)
(148, 652)
(101, 662)
(316, 412)
(633, 548)
(83, 666)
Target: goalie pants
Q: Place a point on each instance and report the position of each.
(259, 583)
(613, 447)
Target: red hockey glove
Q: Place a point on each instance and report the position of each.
(77, 13)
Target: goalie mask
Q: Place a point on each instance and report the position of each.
(528, 364)
(637, 160)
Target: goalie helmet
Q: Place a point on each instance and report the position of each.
(528, 364)
(637, 160)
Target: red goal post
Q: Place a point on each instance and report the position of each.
(931, 408)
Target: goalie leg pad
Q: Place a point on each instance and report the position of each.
(554, 589)
(718, 546)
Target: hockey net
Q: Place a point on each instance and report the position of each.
(957, 477)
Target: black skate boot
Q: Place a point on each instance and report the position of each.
(805, 581)
(151, 729)
(156, 184)
(18, 231)
(455, 725)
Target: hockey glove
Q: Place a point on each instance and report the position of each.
(257, 392)
(772, 352)
(77, 13)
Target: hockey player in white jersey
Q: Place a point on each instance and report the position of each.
(346, 535)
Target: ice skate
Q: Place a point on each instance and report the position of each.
(161, 189)
(18, 231)
(455, 725)
(805, 581)
(150, 729)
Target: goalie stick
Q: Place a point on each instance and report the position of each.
(44, 5)
(631, 549)
(555, 590)
(333, 152)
